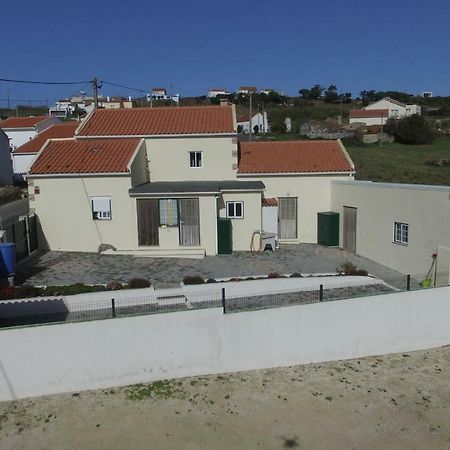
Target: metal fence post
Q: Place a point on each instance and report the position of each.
(113, 308)
(321, 293)
(408, 282)
(223, 301)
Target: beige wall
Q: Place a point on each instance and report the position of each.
(65, 214)
(369, 120)
(169, 158)
(426, 210)
(313, 195)
(243, 228)
(139, 167)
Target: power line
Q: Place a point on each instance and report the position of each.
(42, 82)
(125, 87)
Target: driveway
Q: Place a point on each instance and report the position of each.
(55, 268)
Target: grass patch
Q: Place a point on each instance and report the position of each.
(400, 163)
(159, 389)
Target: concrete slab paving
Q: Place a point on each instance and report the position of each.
(62, 268)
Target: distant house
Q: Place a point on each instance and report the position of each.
(247, 90)
(214, 92)
(24, 156)
(258, 120)
(161, 94)
(397, 109)
(267, 91)
(369, 117)
(427, 94)
(387, 108)
(21, 129)
(6, 177)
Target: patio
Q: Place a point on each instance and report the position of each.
(57, 268)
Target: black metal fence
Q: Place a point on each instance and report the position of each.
(109, 306)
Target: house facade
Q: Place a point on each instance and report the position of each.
(170, 182)
(21, 129)
(6, 177)
(259, 122)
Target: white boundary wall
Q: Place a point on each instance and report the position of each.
(71, 357)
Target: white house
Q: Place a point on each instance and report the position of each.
(258, 120)
(6, 177)
(379, 112)
(24, 156)
(21, 129)
(247, 90)
(214, 92)
(397, 110)
(369, 116)
(173, 182)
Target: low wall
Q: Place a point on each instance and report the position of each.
(71, 357)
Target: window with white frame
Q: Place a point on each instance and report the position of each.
(195, 159)
(400, 233)
(168, 212)
(101, 208)
(235, 210)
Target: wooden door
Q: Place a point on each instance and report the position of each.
(147, 219)
(189, 221)
(287, 217)
(350, 228)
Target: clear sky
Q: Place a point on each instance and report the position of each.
(197, 44)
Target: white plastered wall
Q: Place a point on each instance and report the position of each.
(426, 210)
(243, 228)
(168, 158)
(313, 195)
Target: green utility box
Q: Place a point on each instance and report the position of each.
(328, 228)
(224, 236)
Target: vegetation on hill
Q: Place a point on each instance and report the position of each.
(23, 111)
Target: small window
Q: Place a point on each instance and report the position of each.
(400, 233)
(168, 212)
(195, 159)
(235, 210)
(101, 208)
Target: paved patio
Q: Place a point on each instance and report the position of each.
(56, 268)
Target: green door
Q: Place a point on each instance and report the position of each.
(224, 236)
(328, 228)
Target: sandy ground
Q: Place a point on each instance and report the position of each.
(388, 402)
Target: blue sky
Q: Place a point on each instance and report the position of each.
(197, 44)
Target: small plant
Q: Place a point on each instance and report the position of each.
(211, 280)
(139, 283)
(26, 291)
(7, 292)
(193, 279)
(114, 286)
(249, 279)
(158, 389)
(348, 268)
(296, 275)
(235, 279)
(274, 275)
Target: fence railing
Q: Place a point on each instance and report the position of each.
(30, 312)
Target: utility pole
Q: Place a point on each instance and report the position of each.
(95, 87)
(250, 118)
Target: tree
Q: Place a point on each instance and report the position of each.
(312, 94)
(413, 130)
(331, 94)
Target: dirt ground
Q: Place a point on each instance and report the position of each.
(389, 402)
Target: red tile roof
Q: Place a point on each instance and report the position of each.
(367, 113)
(63, 130)
(22, 122)
(159, 121)
(271, 201)
(93, 156)
(293, 157)
(248, 88)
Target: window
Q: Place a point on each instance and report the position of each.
(235, 210)
(401, 233)
(101, 208)
(168, 212)
(195, 159)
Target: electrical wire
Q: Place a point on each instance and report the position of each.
(42, 82)
(125, 87)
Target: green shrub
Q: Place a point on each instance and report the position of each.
(274, 275)
(139, 283)
(114, 286)
(413, 130)
(26, 291)
(211, 280)
(193, 279)
(296, 275)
